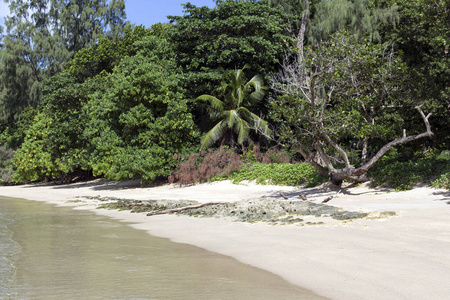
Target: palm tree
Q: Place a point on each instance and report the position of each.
(235, 118)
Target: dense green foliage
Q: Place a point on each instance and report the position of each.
(81, 94)
(442, 182)
(279, 174)
(422, 37)
(41, 36)
(6, 167)
(142, 120)
(324, 18)
(227, 37)
(120, 120)
(401, 174)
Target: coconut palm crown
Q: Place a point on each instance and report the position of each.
(236, 120)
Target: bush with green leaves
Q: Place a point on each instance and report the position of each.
(401, 175)
(252, 153)
(137, 125)
(279, 174)
(54, 145)
(33, 161)
(230, 35)
(125, 122)
(443, 180)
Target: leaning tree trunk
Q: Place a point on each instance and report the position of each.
(337, 176)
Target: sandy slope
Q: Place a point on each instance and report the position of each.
(403, 257)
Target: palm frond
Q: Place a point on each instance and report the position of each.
(240, 96)
(213, 101)
(214, 108)
(255, 88)
(231, 117)
(261, 126)
(258, 124)
(232, 110)
(240, 77)
(214, 134)
(242, 128)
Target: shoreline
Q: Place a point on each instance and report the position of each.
(400, 257)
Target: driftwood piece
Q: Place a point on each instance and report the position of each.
(327, 199)
(303, 197)
(331, 197)
(284, 196)
(168, 211)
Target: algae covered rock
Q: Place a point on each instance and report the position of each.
(273, 211)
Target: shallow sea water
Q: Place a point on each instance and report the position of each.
(49, 252)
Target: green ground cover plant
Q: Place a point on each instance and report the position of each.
(279, 174)
(404, 174)
(270, 167)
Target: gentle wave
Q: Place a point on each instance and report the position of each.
(9, 251)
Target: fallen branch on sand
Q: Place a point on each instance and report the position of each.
(284, 196)
(331, 197)
(168, 211)
(303, 197)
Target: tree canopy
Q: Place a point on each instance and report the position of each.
(343, 92)
(41, 36)
(227, 37)
(84, 94)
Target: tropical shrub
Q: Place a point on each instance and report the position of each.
(115, 119)
(205, 166)
(273, 155)
(137, 125)
(442, 182)
(278, 174)
(228, 36)
(400, 174)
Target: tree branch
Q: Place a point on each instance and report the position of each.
(341, 152)
(325, 157)
(309, 159)
(363, 169)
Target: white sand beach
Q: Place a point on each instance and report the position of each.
(406, 256)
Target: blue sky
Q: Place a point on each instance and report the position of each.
(146, 12)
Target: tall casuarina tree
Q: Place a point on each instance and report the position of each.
(41, 36)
